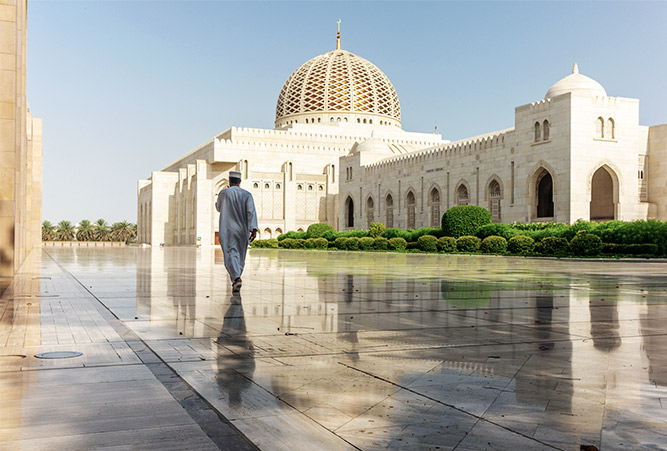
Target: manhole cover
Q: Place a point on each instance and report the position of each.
(58, 355)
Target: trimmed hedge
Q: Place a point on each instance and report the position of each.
(446, 244)
(318, 230)
(464, 220)
(353, 243)
(270, 243)
(397, 244)
(427, 243)
(292, 235)
(585, 244)
(366, 243)
(502, 230)
(341, 243)
(521, 244)
(380, 243)
(493, 245)
(376, 229)
(291, 243)
(468, 243)
(316, 243)
(552, 245)
(630, 249)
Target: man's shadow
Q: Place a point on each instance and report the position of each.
(236, 354)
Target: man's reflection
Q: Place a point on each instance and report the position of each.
(235, 361)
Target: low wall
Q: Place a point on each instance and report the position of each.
(83, 244)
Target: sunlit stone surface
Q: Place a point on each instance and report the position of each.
(333, 351)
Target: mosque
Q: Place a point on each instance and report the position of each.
(338, 155)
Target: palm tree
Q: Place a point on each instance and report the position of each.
(122, 231)
(48, 231)
(85, 231)
(65, 231)
(102, 230)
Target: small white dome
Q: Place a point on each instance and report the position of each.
(575, 82)
(371, 145)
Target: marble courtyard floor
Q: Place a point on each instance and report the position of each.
(332, 350)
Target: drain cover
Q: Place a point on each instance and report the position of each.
(58, 355)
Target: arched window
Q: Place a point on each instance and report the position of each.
(277, 185)
(319, 119)
(299, 187)
(611, 129)
(435, 207)
(370, 213)
(494, 196)
(344, 119)
(310, 187)
(364, 121)
(545, 195)
(331, 119)
(545, 130)
(389, 207)
(306, 120)
(338, 120)
(267, 234)
(537, 132)
(410, 201)
(370, 121)
(267, 186)
(255, 185)
(599, 127)
(279, 231)
(462, 197)
(349, 212)
(358, 121)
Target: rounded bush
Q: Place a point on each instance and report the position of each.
(467, 243)
(380, 243)
(502, 230)
(310, 244)
(393, 232)
(341, 243)
(288, 243)
(585, 243)
(464, 220)
(397, 244)
(353, 243)
(320, 243)
(446, 244)
(493, 245)
(318, 230)
(330, 235)
(521, 244)
(552, 245)
(292, 235)
(366, 243)
(427, 243)
(376, 229)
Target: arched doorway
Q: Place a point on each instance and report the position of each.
(349, 212)
(435, 207)
(370, 214)
(411, 210)
(545, 195)
(389, 205)
(494, 196)
(603, 206)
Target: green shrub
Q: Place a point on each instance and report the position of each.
(428, 243)
(584, 243)
(271, 243)
(356, 233)
(320, 243)
(502, 230)
(330, 235)
(414, 234)
(317, 230)
(467, 243)
(412, 246)
(353, 243)
(446, 244)
(310, 244)
(380, 243)
(464, 220)
(288, 243)
(552, 245)
(397, 233)
(341, 243)
(493, 245)
(630, 249)
(292, 235)
(397, 244)
(376, 229)
(521, 244)
(366, 243)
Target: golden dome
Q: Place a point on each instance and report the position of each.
(336, 85)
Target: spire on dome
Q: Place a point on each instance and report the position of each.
(575, 68)
(338, 36)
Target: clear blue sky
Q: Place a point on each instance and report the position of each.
(125, 88)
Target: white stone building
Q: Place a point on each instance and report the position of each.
(338, 155)
(576, 154)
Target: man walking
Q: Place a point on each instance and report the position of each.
(238, 226)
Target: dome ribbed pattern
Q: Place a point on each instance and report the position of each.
(338, 81)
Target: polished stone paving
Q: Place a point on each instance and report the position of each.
(332, 350)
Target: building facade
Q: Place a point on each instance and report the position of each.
(20, 148)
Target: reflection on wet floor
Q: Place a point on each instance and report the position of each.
(335, 350)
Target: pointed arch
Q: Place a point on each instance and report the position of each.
(389, 209)
(599, 127)
(370, 210)
(435, 201)
(349, 212)
(494, 194)
(603, 189)
(545, 130)
(611, 128)
(462, 193)
(411, 204)
(537, 132)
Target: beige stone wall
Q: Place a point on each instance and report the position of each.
(657, 171)
(20, 145)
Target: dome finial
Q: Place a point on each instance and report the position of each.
(575, 69)
(338, 36)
